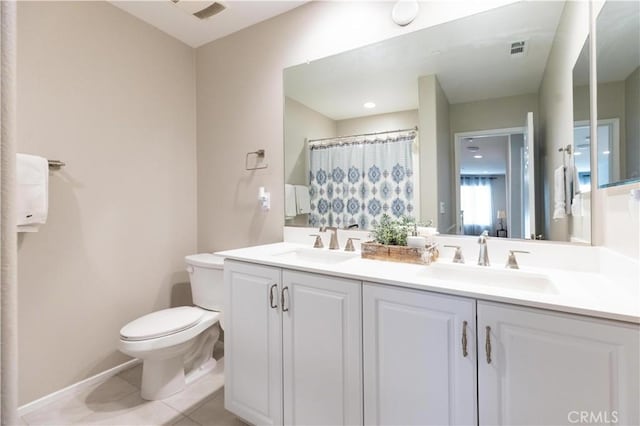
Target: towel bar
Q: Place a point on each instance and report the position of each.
(56, 164)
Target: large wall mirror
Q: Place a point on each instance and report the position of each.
(460, 124)
(618, 74)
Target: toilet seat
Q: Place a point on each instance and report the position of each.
(161, 323)
(136, 347)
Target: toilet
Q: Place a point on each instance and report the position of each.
(176, 344)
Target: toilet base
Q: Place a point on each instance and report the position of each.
(165, 375)
(205, 368)
(162, 378)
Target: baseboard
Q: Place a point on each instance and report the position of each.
(75, 388)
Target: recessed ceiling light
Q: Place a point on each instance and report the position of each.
(477, 156)
(369, 105)
(607, 152)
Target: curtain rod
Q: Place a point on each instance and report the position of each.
(415, 128)
(480, 176)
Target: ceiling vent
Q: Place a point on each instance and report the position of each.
(200, 9)
(518, 49)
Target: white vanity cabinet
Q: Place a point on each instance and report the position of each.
(253, 342)
(419, 357)
(304, 348)
(293, 346)
(322, 341)
(544, 368)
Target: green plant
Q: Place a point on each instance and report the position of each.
(392, 232)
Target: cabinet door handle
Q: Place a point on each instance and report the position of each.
(464, 339)
(284, 309)
(271, 296)
(487, 345)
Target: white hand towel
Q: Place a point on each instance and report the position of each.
(32, 198)
(289, 201)
(569, 187)
(576, 206)
(303, 201)
(576, 180)
(559, 195)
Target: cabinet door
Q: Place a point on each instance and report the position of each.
(253, 343)
(418, 367)
(322, 340)
(547, 368)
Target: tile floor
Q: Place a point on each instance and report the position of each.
(117, 402)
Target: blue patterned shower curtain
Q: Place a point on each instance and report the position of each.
(356, 179)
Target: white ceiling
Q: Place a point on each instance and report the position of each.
(494, 156)
(177, 21)
(470, 56)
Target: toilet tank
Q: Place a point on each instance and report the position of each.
(206, 277)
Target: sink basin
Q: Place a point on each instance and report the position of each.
(481, 275)
(322, 256)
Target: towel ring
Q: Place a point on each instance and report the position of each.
(259, 158)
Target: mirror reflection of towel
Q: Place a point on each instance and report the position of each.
(565, 187)
(303, 201)
(290, 210)
(32, 192)
(559, 194)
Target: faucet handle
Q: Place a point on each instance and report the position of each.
(512, 262)
(349, 246)
(457, 257)
(318, 242)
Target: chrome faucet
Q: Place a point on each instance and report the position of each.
(483, 256)
(431, 253)
(333, 244)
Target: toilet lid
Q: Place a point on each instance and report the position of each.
(162, 323)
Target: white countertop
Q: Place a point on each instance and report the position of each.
(585, 293)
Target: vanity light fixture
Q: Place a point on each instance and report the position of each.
(369, 105)
(405, 11)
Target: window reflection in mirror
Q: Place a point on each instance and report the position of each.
(618, 73)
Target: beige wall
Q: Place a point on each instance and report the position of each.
(435, 153)
(240, 105)
(377, 123)
(115, 99)
(445, 155)
(489, 114)
(556, 105)
(301, 122)
(632, 125)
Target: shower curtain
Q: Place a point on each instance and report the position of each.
(357, 179)
(8, 237)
